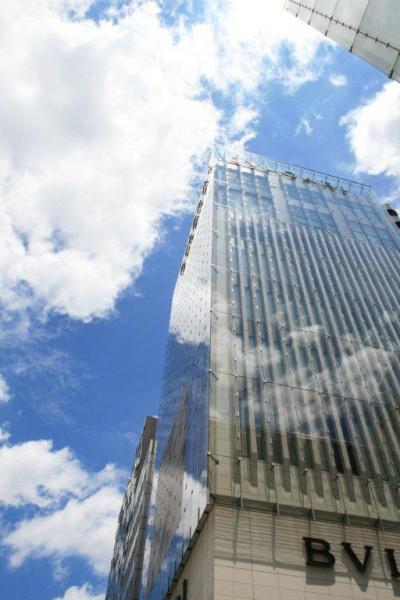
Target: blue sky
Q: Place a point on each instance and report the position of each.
(107, 115)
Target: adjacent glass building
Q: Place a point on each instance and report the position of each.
(125, 577)
(280, 414)
(369, 28)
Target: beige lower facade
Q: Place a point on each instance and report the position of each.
(248, 554)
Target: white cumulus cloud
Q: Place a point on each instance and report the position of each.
(5, 395)
(33, 473)
(80, 593)
(73, 511)
(373, 132)
(102, 126)
(82, 528)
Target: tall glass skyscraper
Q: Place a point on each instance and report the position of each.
(278, 443)
(124, 582)
(369, 28)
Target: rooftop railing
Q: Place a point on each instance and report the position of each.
(263, 163)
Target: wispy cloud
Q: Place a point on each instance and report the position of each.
(41, 373)
(338, 80)
(304, 126)
(5, 395)
(242, 127)
(4, 433)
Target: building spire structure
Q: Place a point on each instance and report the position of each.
(278, 444)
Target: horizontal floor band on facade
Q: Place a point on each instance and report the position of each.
(306, 513)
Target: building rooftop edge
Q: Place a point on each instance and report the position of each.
(253, 160)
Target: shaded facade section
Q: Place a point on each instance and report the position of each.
(369, 28)
(127, 561)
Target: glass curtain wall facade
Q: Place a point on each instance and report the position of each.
(282, 380)
(124, 582)
(182, 437)
(369, 28)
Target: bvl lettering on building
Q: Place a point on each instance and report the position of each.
(319, 554)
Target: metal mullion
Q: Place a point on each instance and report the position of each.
(333, 307)
(321, 354)
(285, 294)
(324, 292)
(312, 432)
(379, 359)
(254, 303)
(292, 414)
(383, 282)
(291, 327)
(268, 428)
(378, 444)
(308, 281)
(317, 341)
(383, 443)
(356, 447)
(346, 384)
(300, 274)
(251, 414)
(238, 436)
(383, 261)
(277, 302)
(339, 341)
(355, 329)
(335, 396)
(381, 268)
(282, 281)
(260, 355)
(316, 449)
(280, 416)
(368, 443)
(258, 351)
(361, 325)
(367, 291)
(281, 419)
(390, 435)
(265, 353)
(327, 438)
(265, 308)
(387, 369)
(231, 378)
(335, 414)
(340, 292)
